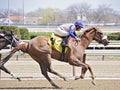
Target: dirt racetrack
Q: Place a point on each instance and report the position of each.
(70, 85)
(107, 76)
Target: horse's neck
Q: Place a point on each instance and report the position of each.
(3, 45)
(85, 42)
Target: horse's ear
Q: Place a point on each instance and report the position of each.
(11, 32)
(4, 32)
(95, 28)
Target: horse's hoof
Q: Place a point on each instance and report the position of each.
(93, 77)
(57, 87)
(76, 78)
(93, 82)
(65, 79)
(18, 79)
(81, 77)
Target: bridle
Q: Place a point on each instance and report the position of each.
(95, 35)
(10, 41)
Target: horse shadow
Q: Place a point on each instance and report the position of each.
(32, 88)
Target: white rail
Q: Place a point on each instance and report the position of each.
(101, 49)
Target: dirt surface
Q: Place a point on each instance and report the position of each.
(70, 85)
(31, 69)
(107, 76)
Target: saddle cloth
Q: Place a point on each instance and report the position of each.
(57, 44)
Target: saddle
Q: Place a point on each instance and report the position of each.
(55, 42)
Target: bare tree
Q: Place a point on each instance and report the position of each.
(78, 10)
(103, 14)
(3, 13)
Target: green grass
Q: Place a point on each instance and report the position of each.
(39, 33)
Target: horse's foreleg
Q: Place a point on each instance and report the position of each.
(50, 69)
(79, 64)
(92, 75)
(7, 57)
(89, 68)
(85, 67)
(44, 72)
(9, 72)
(83, 70)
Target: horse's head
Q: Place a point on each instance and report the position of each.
(96, 34)
(8, 38)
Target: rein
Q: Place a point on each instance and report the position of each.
(85, 37)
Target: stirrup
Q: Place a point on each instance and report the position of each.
(53, 40)
(64, 44)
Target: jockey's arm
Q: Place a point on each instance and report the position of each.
(72, 33)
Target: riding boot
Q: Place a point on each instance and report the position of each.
(64, 45)
(64, 41)
(63, 53)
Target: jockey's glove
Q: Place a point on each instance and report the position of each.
(77, 39)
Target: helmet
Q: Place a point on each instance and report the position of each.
(78, 23)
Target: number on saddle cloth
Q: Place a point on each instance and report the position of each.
(55, 42)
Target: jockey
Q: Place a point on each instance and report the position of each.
(66, 30)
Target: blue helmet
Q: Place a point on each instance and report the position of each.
(78, 23)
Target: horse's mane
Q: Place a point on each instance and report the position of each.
(88, 30)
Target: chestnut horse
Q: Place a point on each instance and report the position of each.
(39, 49)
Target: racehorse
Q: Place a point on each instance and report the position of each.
(7, 39)
(40, 50)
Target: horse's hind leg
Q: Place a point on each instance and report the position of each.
(50, 69)
(9, 72)
(44, 72)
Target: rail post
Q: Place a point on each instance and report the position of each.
(103, 56)
(74, 73)
(0, 61)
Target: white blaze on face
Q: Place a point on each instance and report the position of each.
(21, 43)
(105, 37)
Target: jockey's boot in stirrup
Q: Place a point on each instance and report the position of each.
(52, 40)
(64, 44)
(63, 53)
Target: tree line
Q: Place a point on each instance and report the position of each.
(82, 11)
